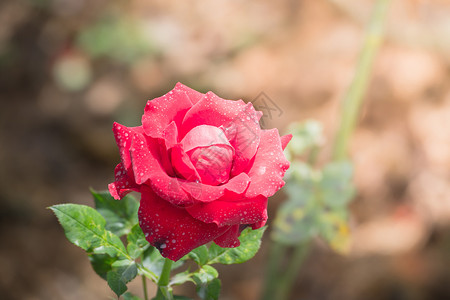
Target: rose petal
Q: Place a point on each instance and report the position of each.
(193, 95)
(146, 164)
(222, 213)
(171, 135)
(230, 238)
(123, 136)
(122, 184)
(268, 167)
(207, 193)
(203, 136)
(285, 139)
(213, 163)
(171, 229)
(161, 111)
(183, 165)
(238, 120)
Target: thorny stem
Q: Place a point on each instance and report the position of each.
(354, 97)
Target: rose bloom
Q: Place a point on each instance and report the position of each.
(204, 168)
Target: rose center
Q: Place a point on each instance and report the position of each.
(210, 153)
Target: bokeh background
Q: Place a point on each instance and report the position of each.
(69, 68)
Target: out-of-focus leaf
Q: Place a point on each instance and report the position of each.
(316, 206)
(306, 136)
(296, 220)
(120, 215)
(72, 72)
(115, 38)
(85, 227)
(336, 185)
(335, 230)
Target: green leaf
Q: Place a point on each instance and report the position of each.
(129, 296)
(205, 274)
(199, 255)
(123, 272)
(177, 297)
(153, 260)
(181, 278)
(137, 243)
(120, 215)
(210, 290)
(85, 228)
(101, 263)
(250, 243)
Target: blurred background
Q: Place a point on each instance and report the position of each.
(69, 68)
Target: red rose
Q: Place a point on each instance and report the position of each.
(204, 169)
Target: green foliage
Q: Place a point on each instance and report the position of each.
(208, 285)
(199, 255)
(123, 271)
(85, 227)
(137, 243)
(129, 296)
(308, 135)
(318, 199)
(115, 38)
(121, 215)
(250, 243)
(98, 232)
(101, 263)
(317, 206)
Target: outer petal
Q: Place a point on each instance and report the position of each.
(238, 120)
(193, 95)
(171, 229)
(222, 213)
(161, 111)
(230, 238)
(207, 193)
(268, 167)
(285, 139)
(123, 136)
(123, 184)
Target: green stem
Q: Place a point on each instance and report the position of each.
(354, 97)
(276, 255)
(285, 284)
(144, 287)
(163, 283)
